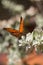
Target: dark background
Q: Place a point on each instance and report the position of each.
(6, 14)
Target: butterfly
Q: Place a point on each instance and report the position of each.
(15, 32)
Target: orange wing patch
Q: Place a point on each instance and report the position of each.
(11, 30)
(14, 32)
(21, 25)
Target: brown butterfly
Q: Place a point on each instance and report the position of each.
(14, 32)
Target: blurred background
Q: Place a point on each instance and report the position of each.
(30, 10)
(10, 13)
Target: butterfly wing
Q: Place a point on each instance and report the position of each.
(21, 25)
(12, 31)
